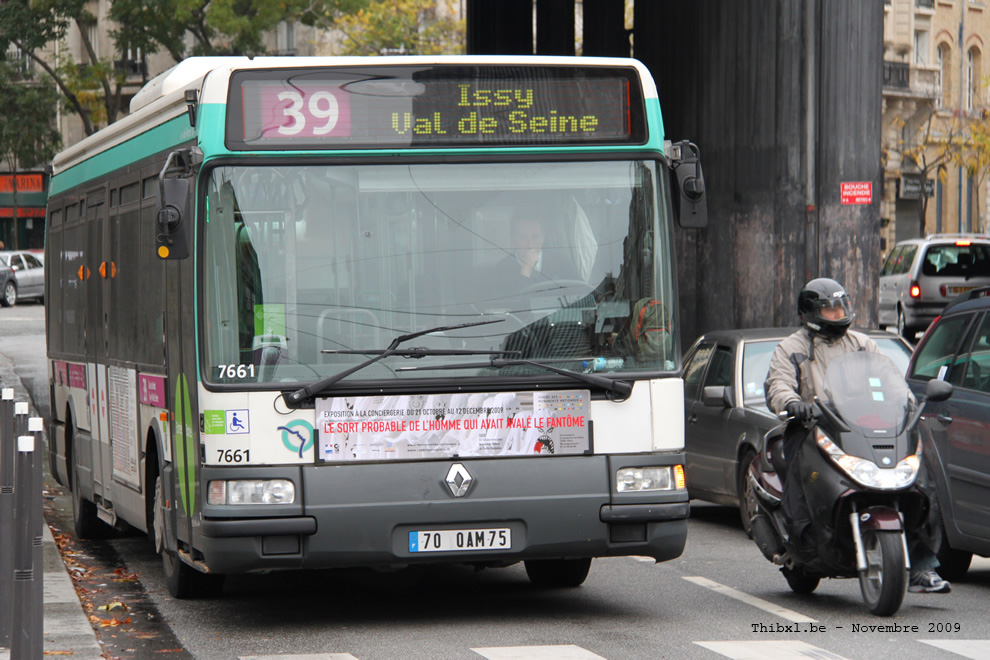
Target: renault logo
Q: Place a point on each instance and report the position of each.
(458, 480)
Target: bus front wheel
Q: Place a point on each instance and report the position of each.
(183, 581)
(558, 573)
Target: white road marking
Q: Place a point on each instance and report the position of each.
(562, 652)
(782, 650)
(301, 656)
(759, 603)
(968, 648)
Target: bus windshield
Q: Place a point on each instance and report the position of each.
(309, 269)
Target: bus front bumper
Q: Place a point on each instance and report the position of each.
(367, 515)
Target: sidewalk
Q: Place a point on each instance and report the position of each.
(66, 626)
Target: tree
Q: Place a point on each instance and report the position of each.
(218, 27)
(28, 136)
(409, 27)
(933, 144)
(31, 25)
(93, 89)
(974, 157)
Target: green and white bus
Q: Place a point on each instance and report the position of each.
(383, 312)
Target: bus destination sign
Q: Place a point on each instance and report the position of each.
(374, 107)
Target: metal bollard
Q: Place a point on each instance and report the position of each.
(8, 452)
(27, 622)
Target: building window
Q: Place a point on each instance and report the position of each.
(921, 47)
(285, 38)
(19, 61)
(972, 63)
(93, 36)
(942, 91)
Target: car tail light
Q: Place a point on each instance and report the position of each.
(964, 243)
(941, 290)
(914, 290)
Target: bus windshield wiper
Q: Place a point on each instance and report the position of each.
(615, 390)
(392, 349)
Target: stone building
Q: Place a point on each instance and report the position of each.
(934, 89)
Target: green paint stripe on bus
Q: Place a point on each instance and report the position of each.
(161, 137)
(185, 466)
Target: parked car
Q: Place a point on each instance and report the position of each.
(29, 273)
(921, 276)
(956, 432)
(9, 283)
(725, 409)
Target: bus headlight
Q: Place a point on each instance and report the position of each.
(252, 491)
(641, 479)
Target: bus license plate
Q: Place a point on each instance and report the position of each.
(460, 540)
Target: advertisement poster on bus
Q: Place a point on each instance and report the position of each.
(427, 426)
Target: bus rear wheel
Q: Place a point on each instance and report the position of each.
(558, 573)
(85, 521)
(183, 581)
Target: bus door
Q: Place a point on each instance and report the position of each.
(96, 219)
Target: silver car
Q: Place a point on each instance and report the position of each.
(29, 276)
(921, 276)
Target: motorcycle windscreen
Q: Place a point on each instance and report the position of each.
(869, 394)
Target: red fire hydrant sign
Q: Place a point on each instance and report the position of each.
(856, 192)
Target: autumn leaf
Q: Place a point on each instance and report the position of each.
(116, 605)
(124, 576)
(114, 622)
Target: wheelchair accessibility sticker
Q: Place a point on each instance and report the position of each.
(237, 421)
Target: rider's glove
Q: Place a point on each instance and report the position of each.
(800, 410)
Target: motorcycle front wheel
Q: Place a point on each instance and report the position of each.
(885, 579)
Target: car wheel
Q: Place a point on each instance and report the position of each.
(85, 521)
(9, 294)
(901, 325)
(953, 564)
(746, 507)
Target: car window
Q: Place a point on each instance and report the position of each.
(695, 370)
(32, 261)
(720, 373)
(935, 356)
(888, 265)
(905, 259)
(971, 369)
(896, 351)
(951, 260)
(756, 365)
(17, 262)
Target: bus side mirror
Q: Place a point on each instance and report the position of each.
(690, 203)
(174, 216)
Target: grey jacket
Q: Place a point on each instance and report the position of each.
(795, 375)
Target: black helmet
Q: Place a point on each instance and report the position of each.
(820, 295)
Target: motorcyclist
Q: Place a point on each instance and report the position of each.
(796, 376)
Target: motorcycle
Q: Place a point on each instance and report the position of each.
(857, 466)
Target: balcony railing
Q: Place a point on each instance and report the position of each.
(896, 75)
